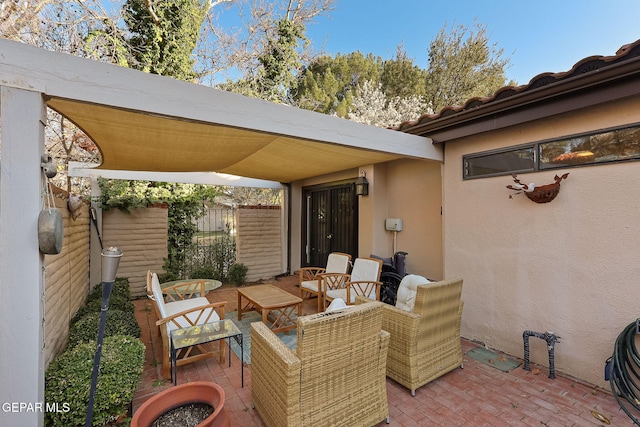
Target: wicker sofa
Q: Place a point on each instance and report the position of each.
(425, 342)
(335, 376)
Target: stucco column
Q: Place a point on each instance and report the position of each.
(372, 211)
(22, 118)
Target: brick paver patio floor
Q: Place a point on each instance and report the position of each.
(477, 395)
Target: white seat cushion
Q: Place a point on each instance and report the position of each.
(157, 295)
(174, 307)
(365, 270)
(311, 285)
(337, 263)
(198, 317)
(406, 296)
(339, 293)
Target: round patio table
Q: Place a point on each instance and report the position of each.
(209, 284)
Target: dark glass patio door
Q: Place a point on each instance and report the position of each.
(330, 223)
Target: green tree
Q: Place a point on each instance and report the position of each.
(241, 49)
(401, 77)
(164, 34)
(463, 64)
(279, 63)
(327, 84)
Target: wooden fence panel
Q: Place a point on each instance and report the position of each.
(259, 241)
(142, 236)
(66, 280)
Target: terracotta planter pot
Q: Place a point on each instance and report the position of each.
(197, 391)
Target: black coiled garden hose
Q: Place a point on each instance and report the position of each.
(623, 371)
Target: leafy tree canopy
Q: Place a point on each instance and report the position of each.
(463, 64)
(401, 77)
(326, 85)
(164, 36)
(279, 64)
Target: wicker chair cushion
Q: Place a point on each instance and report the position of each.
(406, 296)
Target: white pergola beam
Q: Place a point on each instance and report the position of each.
(88, 170)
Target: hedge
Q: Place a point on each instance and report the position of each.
(118, 322)
(68, 381)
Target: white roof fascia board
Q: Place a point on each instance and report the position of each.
(88, 170)
(66, 76)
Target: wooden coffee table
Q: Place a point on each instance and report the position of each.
(276, 306)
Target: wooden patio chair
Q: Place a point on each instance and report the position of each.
(182, 313)
(310, 278)
(364, 280)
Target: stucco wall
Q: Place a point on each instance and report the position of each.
(569, 266)
(259, 241)
(142, 237)
(66, 280)
(415, 195)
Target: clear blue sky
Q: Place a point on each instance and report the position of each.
(539, 36)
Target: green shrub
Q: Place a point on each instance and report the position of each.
(120, 299)
(238, 273)
(118, 323)
(116, 302)
(120, 288)
(221, 255)
(205, 273)
(168, 277)
(68, 381)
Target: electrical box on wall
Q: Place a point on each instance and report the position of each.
(393, 224)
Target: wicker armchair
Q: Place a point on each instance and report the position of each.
(425, 343)
(335, 376)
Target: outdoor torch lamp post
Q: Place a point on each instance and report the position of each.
(110, 261)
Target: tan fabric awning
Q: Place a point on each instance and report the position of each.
(130, 140)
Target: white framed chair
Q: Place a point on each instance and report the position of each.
(183, 313)
(311, 277)
(364, 281)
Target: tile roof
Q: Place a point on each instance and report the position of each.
(590, 64)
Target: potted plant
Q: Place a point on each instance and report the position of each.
(184, 394)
